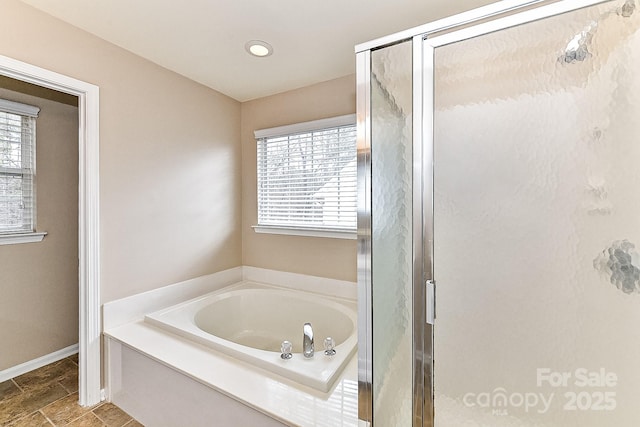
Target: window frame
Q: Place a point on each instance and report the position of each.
(290, 130)
(28, 234)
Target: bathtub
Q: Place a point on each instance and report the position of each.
(249, 321)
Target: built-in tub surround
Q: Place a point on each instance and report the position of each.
(250, 321)
(161, 377)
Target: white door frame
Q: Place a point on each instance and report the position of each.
(88, 215)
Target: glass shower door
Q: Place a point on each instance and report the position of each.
(537, 219)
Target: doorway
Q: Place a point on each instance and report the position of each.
(88, 215)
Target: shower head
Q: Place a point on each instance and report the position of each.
(577, 50)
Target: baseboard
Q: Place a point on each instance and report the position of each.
(29, 366)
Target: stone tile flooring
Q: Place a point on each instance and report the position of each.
(48, 397)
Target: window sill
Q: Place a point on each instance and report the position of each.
(17, 238)
(307, 232)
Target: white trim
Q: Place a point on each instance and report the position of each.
(331, 122)
(303, 231)
(19, 108)
(88, 214)
(31, 365)
(17, 238)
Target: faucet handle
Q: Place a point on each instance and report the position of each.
(329, 346)
(285, 350)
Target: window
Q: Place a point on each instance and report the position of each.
(307, 181)
(17, 167)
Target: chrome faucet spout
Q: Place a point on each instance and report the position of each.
(307, 341)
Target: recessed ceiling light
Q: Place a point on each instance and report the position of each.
(258, 48)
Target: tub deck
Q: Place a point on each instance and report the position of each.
(167, 380)
(285, 401)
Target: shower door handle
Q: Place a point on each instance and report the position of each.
(430, 301)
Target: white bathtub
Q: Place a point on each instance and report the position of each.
(249, 321)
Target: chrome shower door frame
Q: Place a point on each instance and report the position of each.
(426, 39)
(365, 312)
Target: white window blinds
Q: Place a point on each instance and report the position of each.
(17, 167)
(307, 175)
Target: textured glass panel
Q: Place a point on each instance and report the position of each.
(391, 161)
(537, 223)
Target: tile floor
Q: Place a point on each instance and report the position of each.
(49, 397)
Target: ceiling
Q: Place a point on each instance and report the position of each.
(204, 40)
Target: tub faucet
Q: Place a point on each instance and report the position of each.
(307, 340)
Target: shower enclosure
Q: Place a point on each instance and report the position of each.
(499, 218)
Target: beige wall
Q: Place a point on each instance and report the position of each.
(39, 281)
(334, 258)
(171, 174)
(169, 156)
